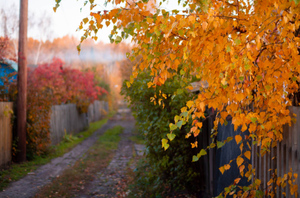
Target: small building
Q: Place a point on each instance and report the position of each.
(8, 71)
(8, 74)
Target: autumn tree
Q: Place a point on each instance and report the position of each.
(246, 52)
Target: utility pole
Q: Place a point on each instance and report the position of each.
(22, 82)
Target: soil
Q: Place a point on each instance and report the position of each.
(106, 180)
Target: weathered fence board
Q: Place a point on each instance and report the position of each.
(284, 157)
(5, 132)
(97, 110)
(67, 119)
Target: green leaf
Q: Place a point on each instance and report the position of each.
(85, 20)
(144, 45)
(228, 49)
(180, 32)
(179, 124)
(171, 136)
(157, 32)
(179, 91)
(220, 144)
(201, 153)
(184, 114)
(195, 158)
(268, 87)
(297, 1)
(247, 67)
(212, 145)
(118, 39)
(237, 41)
(241, 78)
(229, 139)
(258, 77)
(172, 126)
(253, 119)
(79, 48)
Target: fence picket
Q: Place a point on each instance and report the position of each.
(5, 133)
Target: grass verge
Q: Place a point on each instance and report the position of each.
(74, 180)
(17, 171)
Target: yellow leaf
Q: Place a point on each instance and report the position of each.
(189, 104)
(165, 144)
(223, 81)
(202, 106)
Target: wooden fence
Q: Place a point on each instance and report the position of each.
(66, 119)
(285, 158)
(5, 132)
(97, 110)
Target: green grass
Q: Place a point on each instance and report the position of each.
(66, 146)
(74, 179)
(17, 171)
(110, 139)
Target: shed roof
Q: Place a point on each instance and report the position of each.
(12, 63)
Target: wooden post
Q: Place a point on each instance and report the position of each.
(22, 82)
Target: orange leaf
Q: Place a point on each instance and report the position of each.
(239, 160)
(238, 139)
(222, 169)
(226, 166)
(172, 56)
(248, 154)
(204, 25)
(237, 180)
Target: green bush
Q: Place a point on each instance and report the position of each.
(163, 173)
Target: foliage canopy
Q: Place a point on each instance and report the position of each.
(246, 51)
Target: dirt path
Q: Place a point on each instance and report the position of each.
(30, 185)
(106, 180)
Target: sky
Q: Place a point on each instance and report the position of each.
(66, 19)
(64, 22)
